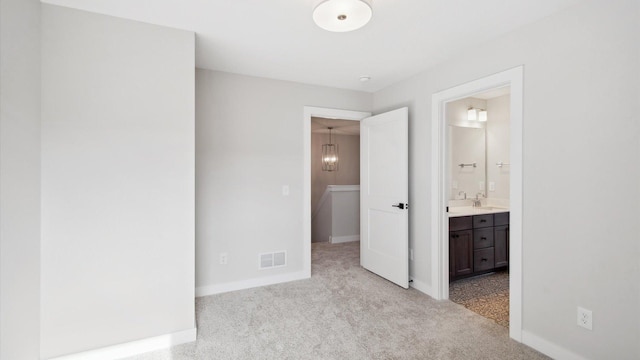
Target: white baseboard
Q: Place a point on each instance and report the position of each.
(343, 239)
(421, 286)
(548, 348)
(135, 347)
(250, 283)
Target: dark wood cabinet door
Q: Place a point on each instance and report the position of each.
(501, 244)
(460, 253)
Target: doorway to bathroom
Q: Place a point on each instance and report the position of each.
(442, 192)
(478, 202)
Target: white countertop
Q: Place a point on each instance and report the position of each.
(457, 211)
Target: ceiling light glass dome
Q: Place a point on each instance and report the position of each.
(342, 15)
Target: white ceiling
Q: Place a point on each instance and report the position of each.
(278, 38)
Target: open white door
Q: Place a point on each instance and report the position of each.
(384, 193)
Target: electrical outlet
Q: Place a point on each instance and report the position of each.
(585, 318)
(411, 254)
(223, 258)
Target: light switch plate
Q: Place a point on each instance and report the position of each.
(285, 190)
(492, 186)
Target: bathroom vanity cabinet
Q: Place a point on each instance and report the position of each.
(478, 244)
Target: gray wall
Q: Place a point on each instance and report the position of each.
(249, 136)
(581, 173)
(117, 181)
(498, 146)
(19, 179)
(348, 168)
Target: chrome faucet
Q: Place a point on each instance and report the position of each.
(463, 193)
(477, 202)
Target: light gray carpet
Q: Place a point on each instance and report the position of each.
(342, 312)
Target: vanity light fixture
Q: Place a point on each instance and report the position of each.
(482, 115)
(330, 155)
(342, 15)
(471, 114)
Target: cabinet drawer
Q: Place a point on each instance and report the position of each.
(500, 219)
(483, 259)
(460, 223)
(480, 221)
(483, 238)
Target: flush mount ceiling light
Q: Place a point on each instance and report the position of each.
(342, 15)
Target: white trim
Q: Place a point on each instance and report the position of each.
(250, 283)
(548, 348)
(343, 188)
(330, 189)
(134, 347)
(439, 219)
(343, 239)
(310, 111)
(420, 286)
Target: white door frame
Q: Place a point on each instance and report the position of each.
(440, 220)
(311, 111)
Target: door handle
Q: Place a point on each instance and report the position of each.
(401, 206)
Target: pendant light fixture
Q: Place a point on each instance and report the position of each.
(342, 15)
(330, 155)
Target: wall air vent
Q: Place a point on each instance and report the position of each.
(272, 260)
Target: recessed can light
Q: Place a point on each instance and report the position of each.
(365, 78)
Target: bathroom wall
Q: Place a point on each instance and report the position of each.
(497, 129)
(467, 144)
(349, 166)
(456, 112)
(487, 150)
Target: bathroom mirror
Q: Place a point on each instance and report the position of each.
(467, 153)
